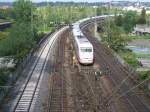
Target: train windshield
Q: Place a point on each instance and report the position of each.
(86, 50)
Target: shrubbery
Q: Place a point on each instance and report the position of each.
(145, 75)
(130, 58)
(31, 23)
(4, 75)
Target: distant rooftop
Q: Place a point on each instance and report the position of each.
(142, 28)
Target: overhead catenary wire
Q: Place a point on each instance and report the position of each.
(134, 87)
(125, 81)
(119, 86)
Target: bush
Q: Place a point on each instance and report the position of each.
(3, 35)
(130, 58)
(145, 75)
(17, 40)
(4, 73)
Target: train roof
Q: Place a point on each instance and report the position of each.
(95, 17)
(83, 41)
(77, 31)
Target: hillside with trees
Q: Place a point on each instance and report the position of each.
(30, 24)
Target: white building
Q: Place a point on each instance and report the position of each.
(142, 29)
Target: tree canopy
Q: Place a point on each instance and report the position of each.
(114, 36)
(142, 18)
(21, 36)
(128, 20)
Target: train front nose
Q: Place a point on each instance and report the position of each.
(86, 58)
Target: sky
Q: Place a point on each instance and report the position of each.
(76, 0)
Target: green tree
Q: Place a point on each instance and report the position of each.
(82, 10)
(6, 13)
(23, 10)
(115, 36)
(142, 18)
(118, 40)
(99, 11)
(23, 32)
(129, 21)
(119, 20)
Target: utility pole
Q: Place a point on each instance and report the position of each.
(95, 24)
(109, 33)
(46, 14)
(70, 20)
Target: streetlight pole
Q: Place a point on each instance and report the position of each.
(95, 25)
(95, 22)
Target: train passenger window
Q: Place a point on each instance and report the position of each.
(86, 50)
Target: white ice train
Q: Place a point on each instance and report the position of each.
(83, 48)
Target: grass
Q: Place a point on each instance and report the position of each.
(3, 35)
(3, 20)
(129, 57)
(145, 56)
(46, 29)
(140, 37)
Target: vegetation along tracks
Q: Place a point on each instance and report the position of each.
(117, 75)
(28, 92)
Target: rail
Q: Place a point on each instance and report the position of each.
(101, 52)
(29, 90)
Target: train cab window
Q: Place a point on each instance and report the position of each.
(86, 50)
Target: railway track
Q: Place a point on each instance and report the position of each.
(30, 89)
(84, 100)
(58, 97)
(117, 74)
(90, 97)
(86, 71)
